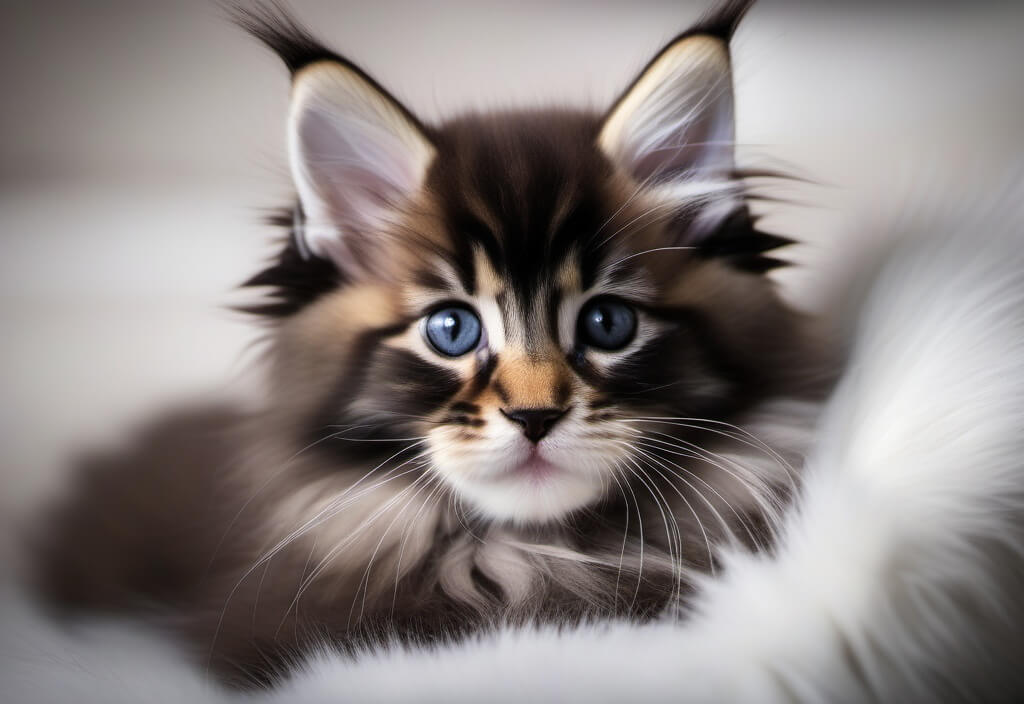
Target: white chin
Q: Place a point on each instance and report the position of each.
(522, 499)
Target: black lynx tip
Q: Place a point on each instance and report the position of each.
(719, 22)
(722, 20)
(271, 22)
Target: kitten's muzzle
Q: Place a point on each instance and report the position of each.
(535, 422)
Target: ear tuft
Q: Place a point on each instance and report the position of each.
(291, 279)
(720, 21)
(275, 27)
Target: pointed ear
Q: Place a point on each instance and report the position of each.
(675, 123)
(356, 154)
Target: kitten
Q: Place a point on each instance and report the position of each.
(524, 366)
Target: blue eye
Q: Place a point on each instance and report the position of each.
(606, 323)
(453, 331)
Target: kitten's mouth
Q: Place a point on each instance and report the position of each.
(529, 486)
(535, 467)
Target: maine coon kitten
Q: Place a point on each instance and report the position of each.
(524, 366)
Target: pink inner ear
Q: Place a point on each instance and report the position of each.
(351, 172)
(356, 168)
(676, 121)
(686, 146)
(689, 152)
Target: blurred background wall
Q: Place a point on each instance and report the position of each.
(141, 143)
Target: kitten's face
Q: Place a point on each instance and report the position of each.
(531, 329)
(515, 296)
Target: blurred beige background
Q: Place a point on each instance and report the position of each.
(141, 142)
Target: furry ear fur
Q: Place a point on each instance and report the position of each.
(355, 151)
(355, 155)
(673, 130)
(675, 123)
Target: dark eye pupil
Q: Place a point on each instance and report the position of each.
(606, 324)
(453, 331)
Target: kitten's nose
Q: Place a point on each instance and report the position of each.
(535, 422)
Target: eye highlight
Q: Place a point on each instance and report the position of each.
(452, 331)
(606, 323)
